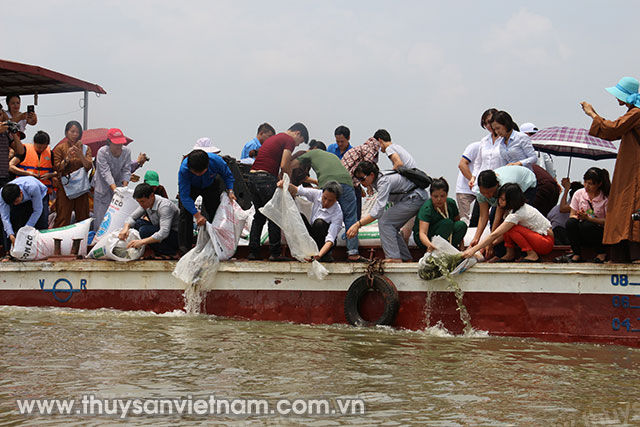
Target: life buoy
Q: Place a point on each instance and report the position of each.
(357, 290)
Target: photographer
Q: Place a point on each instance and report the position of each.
(22, 119)
(8, 140)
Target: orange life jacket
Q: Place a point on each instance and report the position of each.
(39, 165)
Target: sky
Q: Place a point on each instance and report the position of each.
(423, 70)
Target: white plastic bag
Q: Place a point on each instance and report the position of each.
(122, 206)
(444, 247)
(227, 227)
(200, 264)
(32, 244)
(111, 247)
(282, 210)
(317, 271)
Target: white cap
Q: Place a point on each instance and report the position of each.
(528, 128)
(205, 144)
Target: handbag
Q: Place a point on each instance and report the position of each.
(77, 182)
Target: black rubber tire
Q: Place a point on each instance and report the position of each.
(357, 290)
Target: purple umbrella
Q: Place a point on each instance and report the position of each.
(573, 142)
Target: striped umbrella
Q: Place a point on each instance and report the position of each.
(573, 142)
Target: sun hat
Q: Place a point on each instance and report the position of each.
(528, 128)
(205, 144)
(116, 136)
(626, 91)
(152, 178)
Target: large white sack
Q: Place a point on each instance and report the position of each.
(32, 244)
(200, 265)
(122, 206)
(282, 210)
(228, 224)
(111, 247)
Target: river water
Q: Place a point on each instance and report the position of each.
(397, 377)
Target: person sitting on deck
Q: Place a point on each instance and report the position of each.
(201, 174)
(326, 215)
(523, 227)
(160, 231)
(24, 202)
(438, 216)
(585, 226)
(559, 214)
(407, 199)
(38, 162)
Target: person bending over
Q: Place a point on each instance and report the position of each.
(407, 199)
(523, 226)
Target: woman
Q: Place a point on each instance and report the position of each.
(69, 156)
(14, 114)
(585, 225)
(619, 229)
(113, 169)
(523, 227)
(515, 147)
(438, 216)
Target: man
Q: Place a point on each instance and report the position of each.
(160, 231)
(407, 200)
(274, 156)
(488, 183)
(8, 141)
(24, 202)
(326, 216)
(265, 131)
(329, 168)
(341, 146)
(367, 152)
(113, 169)
(37, 162)
(396, 153)
(201, 174)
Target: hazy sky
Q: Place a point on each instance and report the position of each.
(425, 71)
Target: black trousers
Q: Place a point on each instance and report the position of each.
(262, 185)
(210, 202)
(318, 230)
(584, 233)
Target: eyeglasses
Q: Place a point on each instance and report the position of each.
(361, 178)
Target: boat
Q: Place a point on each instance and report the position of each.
(592, 303)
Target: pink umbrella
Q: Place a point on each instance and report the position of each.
(96, 138)
(573, 142)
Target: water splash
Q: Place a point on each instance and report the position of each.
(193, 297)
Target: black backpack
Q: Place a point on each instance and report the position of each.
(415, 175)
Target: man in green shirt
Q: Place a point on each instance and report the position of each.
(328, 167)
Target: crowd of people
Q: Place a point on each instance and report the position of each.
(503, 185)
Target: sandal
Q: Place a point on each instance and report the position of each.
(359, 259)
(7, 258)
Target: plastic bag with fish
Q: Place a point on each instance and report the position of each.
(446, 258)
(111, 247)
(200, 264)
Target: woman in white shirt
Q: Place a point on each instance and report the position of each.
(13, 111)
(523, 227)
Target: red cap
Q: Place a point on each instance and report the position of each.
(116, 136)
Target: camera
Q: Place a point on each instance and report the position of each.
(636, 216)
(12, 127)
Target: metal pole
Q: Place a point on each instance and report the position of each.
(86, 110)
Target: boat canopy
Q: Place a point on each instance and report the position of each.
(24, 79)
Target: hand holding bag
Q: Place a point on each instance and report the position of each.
(77, 182)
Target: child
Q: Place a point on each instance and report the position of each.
(438, 216)
(523, 226)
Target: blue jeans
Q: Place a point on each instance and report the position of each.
(349, 206)
(262, 185)
(168, 246)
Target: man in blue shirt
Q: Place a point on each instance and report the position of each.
(201, 174)
(265, 131)
(24, 202)
(342, 134)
